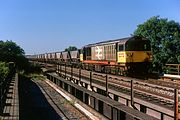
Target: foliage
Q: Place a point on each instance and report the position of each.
(178, 58)
(71, 48)
(33, 68)
(37, 77)
(11, 52)
(4, 70)
(165, 40)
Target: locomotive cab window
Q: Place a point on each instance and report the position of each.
(121, 47)
(138, 45)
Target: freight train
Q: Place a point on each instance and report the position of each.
(125, 56)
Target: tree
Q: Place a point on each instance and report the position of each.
(165, 40)
(11, 52)
(71, 48)
(4, 70)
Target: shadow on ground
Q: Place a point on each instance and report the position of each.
(32, 103)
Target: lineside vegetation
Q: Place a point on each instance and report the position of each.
(164, 35)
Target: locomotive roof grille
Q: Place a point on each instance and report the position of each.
(122, 40)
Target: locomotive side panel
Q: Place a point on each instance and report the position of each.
(97, 53)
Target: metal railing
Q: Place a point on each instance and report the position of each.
(173, 69)
(4, 87)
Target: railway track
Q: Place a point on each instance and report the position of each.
(145, 90)
(64, 108)
(165, 83)
(160, 82)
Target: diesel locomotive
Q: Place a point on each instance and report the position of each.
(121, 56)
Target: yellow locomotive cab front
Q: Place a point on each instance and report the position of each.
(138, 56)
(134, 56)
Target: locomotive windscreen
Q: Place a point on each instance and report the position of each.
(138, 45)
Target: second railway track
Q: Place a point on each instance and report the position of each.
(64, 108)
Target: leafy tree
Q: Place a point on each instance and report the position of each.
(4, 70)
(71, 48)
(178, 58)
(165, 40)
(11, 52)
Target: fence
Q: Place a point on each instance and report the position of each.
(173, 69)
(4, 86)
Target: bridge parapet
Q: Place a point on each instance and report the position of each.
(102, 104)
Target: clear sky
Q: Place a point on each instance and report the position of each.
(41, 26)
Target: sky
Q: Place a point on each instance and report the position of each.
(41, 26)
